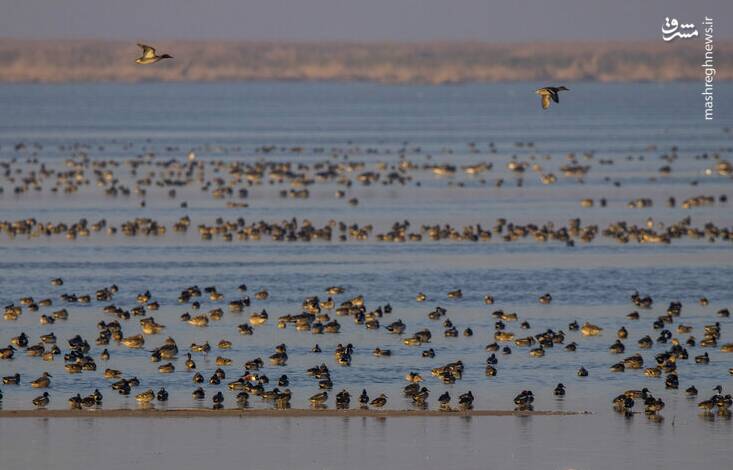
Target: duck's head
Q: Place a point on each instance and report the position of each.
(718, 389)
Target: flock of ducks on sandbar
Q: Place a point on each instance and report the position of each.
(292, 230)
(316, 318)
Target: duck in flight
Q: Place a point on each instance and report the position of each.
(550, 92)
(149, 56)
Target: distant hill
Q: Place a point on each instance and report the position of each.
(88, 60)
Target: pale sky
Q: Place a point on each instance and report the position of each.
(356, 20)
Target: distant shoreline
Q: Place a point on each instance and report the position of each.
(272, 413)
(77, 61)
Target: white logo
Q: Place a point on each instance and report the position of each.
(671, 30)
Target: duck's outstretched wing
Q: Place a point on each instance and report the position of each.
(148, 52)
(555, 96)
(545, 100)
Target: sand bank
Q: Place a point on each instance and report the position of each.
(290, 413)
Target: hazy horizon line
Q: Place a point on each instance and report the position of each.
(387, 62)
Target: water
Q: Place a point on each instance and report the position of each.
(330, 443)
(374, 123)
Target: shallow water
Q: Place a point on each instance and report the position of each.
(230, 121)
(571, 442)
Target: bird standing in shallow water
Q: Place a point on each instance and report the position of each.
(550, 93)
(380, 401)
(149, 56)
(41, 401)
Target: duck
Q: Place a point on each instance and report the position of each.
(223, 361)
(190, 364)
(343, 399)
(150, 57)
(707, 405)
(242, 398)
(455, 294)
(364, 398)
(559, 390)
(617, 347)
(112, 374)
(199, 320)
(35, 350)
(444, 400)
(150, 327)
(550, 93)
(21, 340)
(198, 394)
(43, 381)
(380, 401)
(524, 399)
(381, 352)
(134, 342)
(12, 379)
(89, 401)
(73, 368)
(702, 359)
(257, 319)
(203, 348)
(162, 394)
(41, 401)
(589, 329)
(168, 368)
(146, 396)
(618, 367)
(396, 327)
(218, 399)
(75, 402)
(335, 290)
(582, 372)
(465, 400)
(318, 399)
(691, 391)
(420, 396)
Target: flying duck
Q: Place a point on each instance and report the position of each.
(549, 92)
(149, 56)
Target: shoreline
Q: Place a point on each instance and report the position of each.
(270, 413)
(54, 61)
